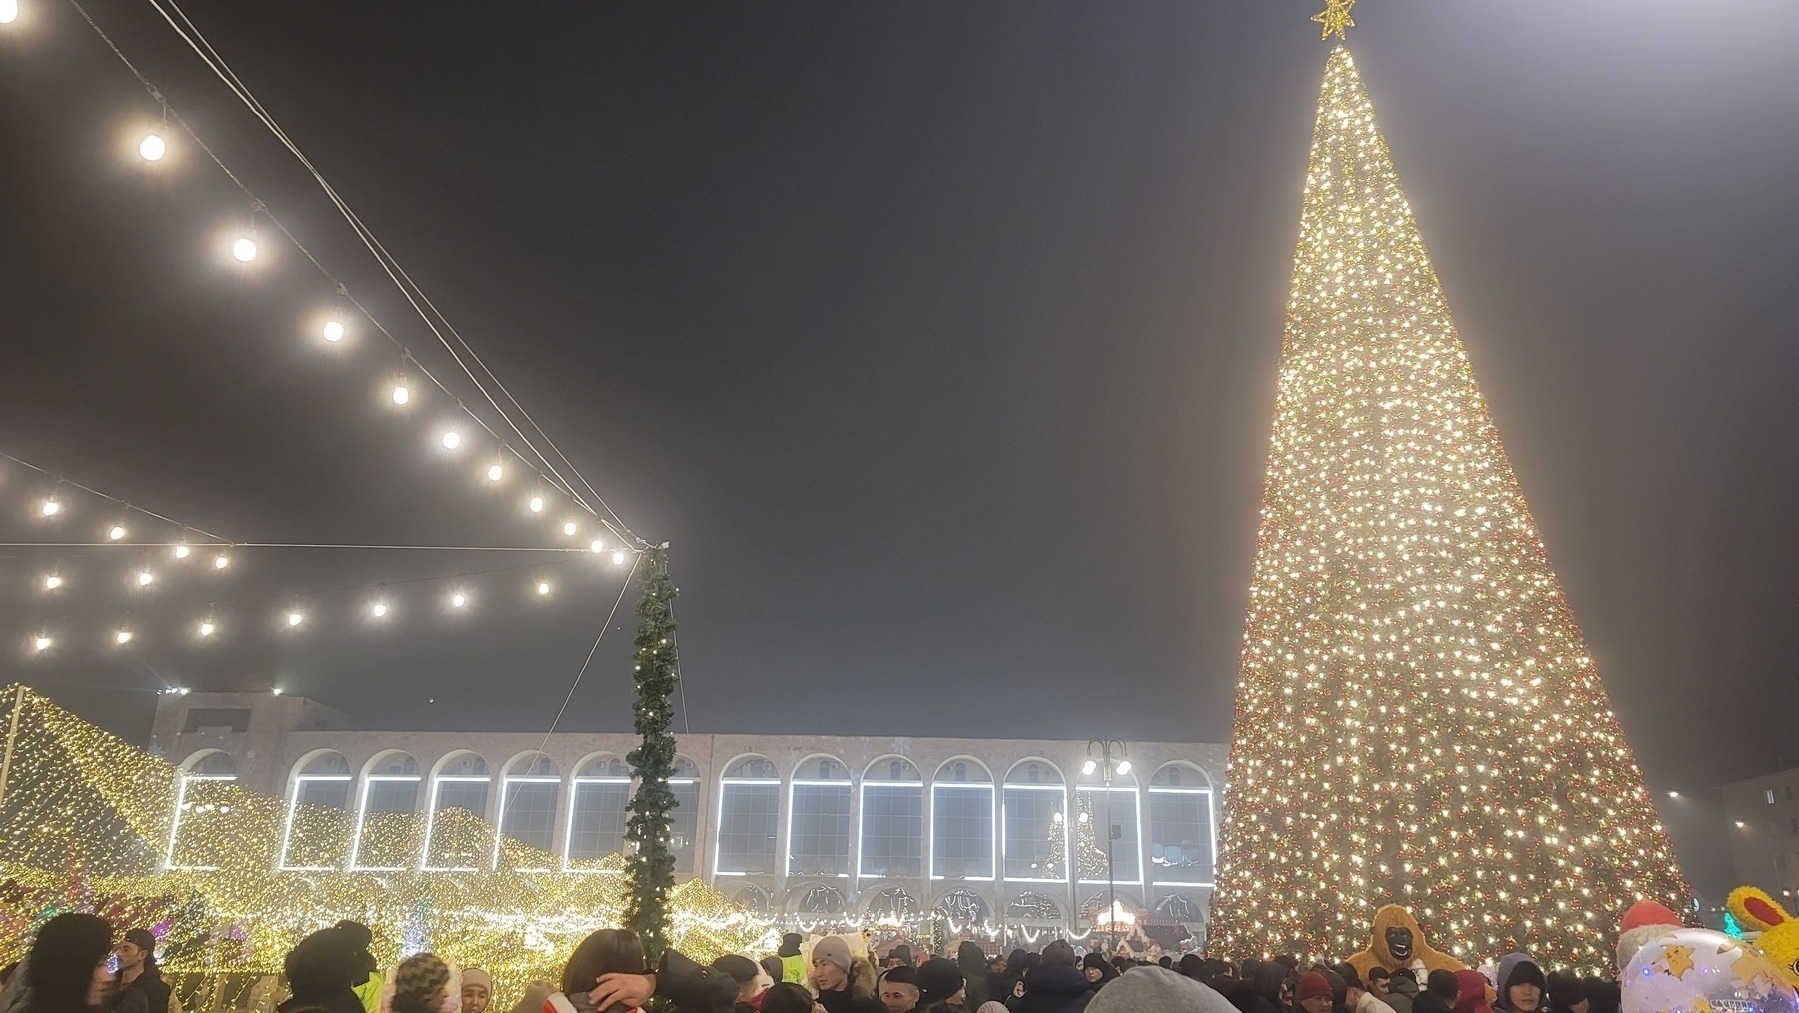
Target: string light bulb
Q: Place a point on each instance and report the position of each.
(536, 504)
(495, 472)
(122, 637)
(181, 551)
(53, 581)
(379, 609)
(333, 330)
(41, 642)
(401, 394)
(618, 558)
(220, 561)
(597, 545)
(452, 439)
(117, 532)
(458, 600)
(207, 627)
(51, 507)
(152, 148)
(294, 618)
(144, 577)
(568, 527)
(9, 11)
(543, 587)
(243, 250)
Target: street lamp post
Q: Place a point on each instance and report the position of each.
(1107, 765)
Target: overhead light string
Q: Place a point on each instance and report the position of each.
(542, 465)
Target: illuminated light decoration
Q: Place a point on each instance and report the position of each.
(152, 148)
(379, 609)
(181, 551)
(220, 561)
(9, 11)
(1089, 767)
(596, 545)
(117, 532)
(543, 587)
(295, 618)
(458, 600)
(1674, 794)
(51, 507)
(52, 582)
(1124, 767)
(618, 559)
(207, 627)
(243, 250)
(401, 393)
(122, 637)
(41, 642)
(1400, 582)
(495, 473)
(144, 577)
(452, 439)
(536, 504)
(569, 528)
(276, 691)
(333, 330)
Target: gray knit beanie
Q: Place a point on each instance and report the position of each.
(1159, 989)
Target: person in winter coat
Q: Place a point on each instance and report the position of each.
(973, 961)
(66, 969)
(1268, 979)
(786, 997)
(845, 983)
(1314, 993)
(1471, 993)
(1442, 988)
(688, 986)
(1055, 985)
(941, 983)
(793, 965)
(1522, 988)
(141, 988)
(476, 989)
(1098, 970)
(899, 989)
(368, 983)
(1401, 989)
(748, 977)
(422, 985)
(1567, 993)
(321, 972)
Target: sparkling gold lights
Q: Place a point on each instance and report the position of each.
(1418, 720)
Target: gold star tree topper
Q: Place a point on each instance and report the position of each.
(1335, 18)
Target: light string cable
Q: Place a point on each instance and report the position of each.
(224, 542)
(554, 477)
(197, 41)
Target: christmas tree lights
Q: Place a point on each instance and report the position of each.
(88, 822)
(1418, 719)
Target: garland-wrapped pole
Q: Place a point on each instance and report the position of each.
(650, 868)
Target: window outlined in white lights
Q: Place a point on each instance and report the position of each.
(202, 768)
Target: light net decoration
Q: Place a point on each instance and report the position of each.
(1418, 720)
(86, 823)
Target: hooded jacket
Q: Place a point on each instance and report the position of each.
(1472, 995)
(973, 962)
(1401, 990)
(1055, 988)
(1395, 928)
(146, 993)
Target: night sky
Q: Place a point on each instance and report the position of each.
(938, 338)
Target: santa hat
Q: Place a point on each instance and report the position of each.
(1645, 920)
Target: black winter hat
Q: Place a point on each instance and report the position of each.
(939, 979)
(1526, 973)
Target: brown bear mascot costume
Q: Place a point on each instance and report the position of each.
(1398, 941)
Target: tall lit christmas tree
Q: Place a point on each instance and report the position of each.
(1418, 720)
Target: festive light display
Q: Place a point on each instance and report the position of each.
(650, 867)
(88, 822)
(1418, 719)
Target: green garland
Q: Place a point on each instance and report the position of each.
(650, 868)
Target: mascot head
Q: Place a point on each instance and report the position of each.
(1398, 939)
(1779, 940)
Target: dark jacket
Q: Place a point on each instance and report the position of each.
(696, 988)
(147, 993)
(1055, 988)
(845, 1001)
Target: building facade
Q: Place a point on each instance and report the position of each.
(1762, 818)
(813, 830)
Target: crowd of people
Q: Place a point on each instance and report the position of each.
(76, 965)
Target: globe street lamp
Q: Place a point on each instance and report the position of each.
(1107, 756)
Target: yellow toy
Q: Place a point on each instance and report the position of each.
(1398, 941)
(1779, 942)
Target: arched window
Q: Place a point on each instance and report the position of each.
(1034, 910)
(893, 906)
(821, 900)
(203, 810)
(384, 838)
(316, 833)
(754, 899)
(1182, 908)
(818, 829)
(455, 841)
(1096, 806)
(598, 804)
(965, 910)
(962, 821)
(530, 790)
(892, 819)
(749, 812)
(1181, 836)
(1035, 826)
(684, 822)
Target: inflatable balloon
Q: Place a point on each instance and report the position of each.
(1702, 971)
